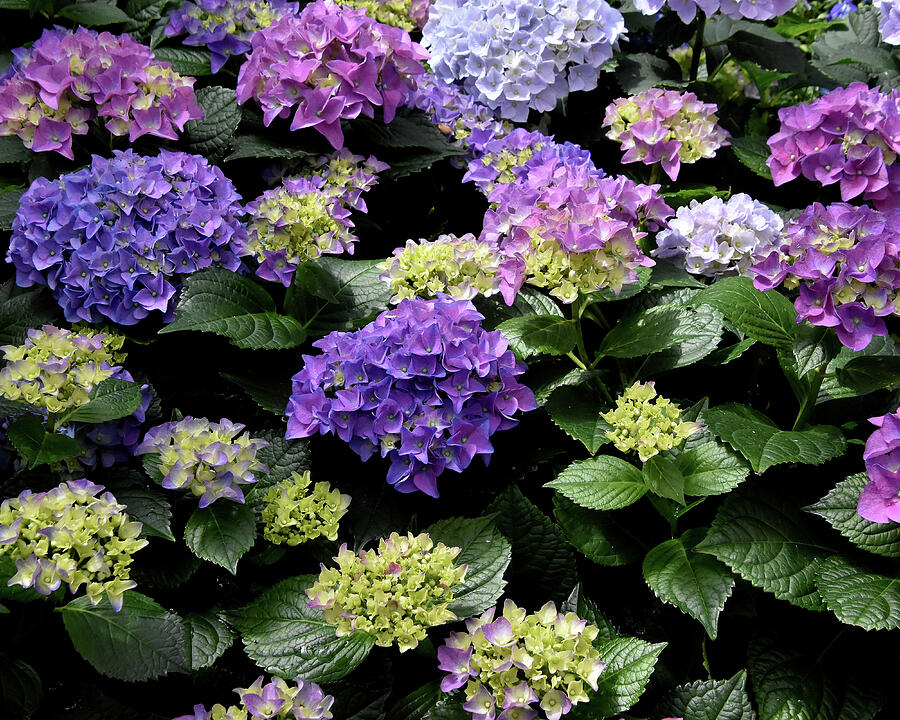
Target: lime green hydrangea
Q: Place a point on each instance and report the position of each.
(462, 267)
(646, 426)
(545, 659)
(407, 15)
(70, 535)
(394, 594)
(295, 513)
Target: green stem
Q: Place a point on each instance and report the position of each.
(654, 174)
(706, 659)
(576, 360)
(698, 44)
(680, 512)
(808, 403)
(664, 508)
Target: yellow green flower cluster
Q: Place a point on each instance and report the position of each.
(394, 594)
(295, 513)
(407, 15)
(70, 535)
(462, 267)
(644, 425)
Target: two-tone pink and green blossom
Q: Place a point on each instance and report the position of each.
(326, 64)
(395, 593)
(73, 536)
(423, 384)
(297, 511)
(880, 499)
(521, 666)
(345, 176)
(665, 127)
(65, 79)
(210, 460)
(844, 260)
(275, 700)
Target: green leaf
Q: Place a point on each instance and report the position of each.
(839, 508)
(694, 583)
(758, 439)
(282, 457)
(581, 605)
(186, 60)
(577, 413)
(867, 374)
(701, 331)
(141, 642)
(641, 71)
(268, 393)
(207, 637)
(417, 704)
(221, 117)
(541, 556)
(753, 152)
(600, 483)
(767, 544)
(733, 352)
(627, 291)
(596, 535)
(22, 312)
(406, 131)
(711, 469)
(222, 302)
(93, 14)
(649, 331)
(833, 389)
(539, 335)
(485, 551)
(857, 597)
(766, 316)
(10, 408)
(149, 507)
(788, 687)
(9, 204)
(20, 688)
(12, 150)
(37, 446)
(663, 478)
(713, 700)
(285, 637)
(629, 664)
(110, 399)
(259, 146)
(221, 533)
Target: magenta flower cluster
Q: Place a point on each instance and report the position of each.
(329, 63)
(846, 262)
(423, 384)
(850, 136)
(880, 499)
(113, 240)
(54, 88)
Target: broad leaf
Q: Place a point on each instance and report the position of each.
(93, 14)
(207, 637)
(858, 597)
(711, 469)
(790, 687)
(22, 312)
(417, 704)
(663, 478)
(713, 700)
(20, 688)
(582, 606)
(141, 642)
(649, 331)
(833, 389)
(869, 373)
(753, 152)
(149, 507)
(539, 335)
(282, 457)
(221, 117)
(37, 446)
(706, 326)
(270, 394)
(258, 146)
(221, 533)
(596, 535)
(186, 60)
(601, 483)
(9, 204)
(12, 150)
(575, 411)
(110, 399)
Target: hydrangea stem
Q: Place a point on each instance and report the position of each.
(698, 44)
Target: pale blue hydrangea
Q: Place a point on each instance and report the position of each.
(736, 9)
(513, 55)
(717, 237)
(890, 20)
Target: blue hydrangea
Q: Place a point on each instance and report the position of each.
(113, 240)
(890, 20)
(513, 55)
(736, 9)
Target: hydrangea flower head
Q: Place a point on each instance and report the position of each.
(889, 23)
(665, 127)
(735, 9)
(56, 370)
(461, 267)
(211, 460)
(880, 499)
(295, 512)
(113, 240)
(423, 384)
(717, 237)
(407, 15)
(850, 136)
(522, 665)
(394, 593)
(845, 260)
(275, 700)
(646, 423)
(225, 26)
(70, 535)
(53, 89)
(346, 176)
(329, 63)
(513, 55)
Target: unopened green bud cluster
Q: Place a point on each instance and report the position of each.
(644, 425)
(295, 512)
(394, 594)
(407, 15)
(70, 535)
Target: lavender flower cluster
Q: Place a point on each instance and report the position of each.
(666, 127)
(889, 24)
(226, 26)
(846, 262)
(851, 136)
(276, 700)
(113, 239)
(716, 237)
(329, 63)
(514, 55)
(423, 384)
(880, 499)
(736, 9)
(53, 89)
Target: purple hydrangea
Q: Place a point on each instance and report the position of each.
(736, 9)
(514, 55)
(329, 63)
(113, 240)
(423, 384)
(845, 260)
(53, 89)
(717, 237)
(880, 499)
(850, 136)
(889, 25)
(226, 26)
(276, 699)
